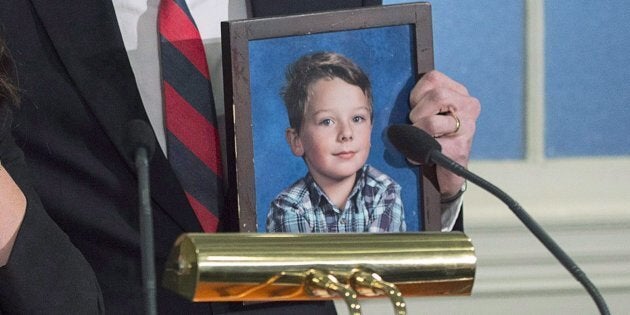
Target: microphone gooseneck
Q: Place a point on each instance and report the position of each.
(140, 145)
(419, 146)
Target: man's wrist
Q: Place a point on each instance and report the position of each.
(448, 199)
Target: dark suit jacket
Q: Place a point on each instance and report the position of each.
(78, 94)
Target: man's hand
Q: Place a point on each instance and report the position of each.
(443, 108)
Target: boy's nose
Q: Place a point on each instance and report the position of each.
(345, 132)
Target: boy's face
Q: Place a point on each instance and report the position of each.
(335, 135)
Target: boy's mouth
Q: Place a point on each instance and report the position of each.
(345, 154)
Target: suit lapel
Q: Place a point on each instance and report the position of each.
(86, 36)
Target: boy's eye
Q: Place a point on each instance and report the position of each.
(358, 119)
(326, 122)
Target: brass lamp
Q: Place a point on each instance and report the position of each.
(281, 267)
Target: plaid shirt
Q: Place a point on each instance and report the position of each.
(374, 205)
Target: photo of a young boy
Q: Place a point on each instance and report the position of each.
(329, 104)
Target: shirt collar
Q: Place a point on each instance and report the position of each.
(318, 196)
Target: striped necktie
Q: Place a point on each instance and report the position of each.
(192, 138)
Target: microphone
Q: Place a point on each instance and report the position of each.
(139, 147)
(139, 135)
(413, 143)
(419, 146)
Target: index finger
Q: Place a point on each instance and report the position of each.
(433, 80)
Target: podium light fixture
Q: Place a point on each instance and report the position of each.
(280, 267)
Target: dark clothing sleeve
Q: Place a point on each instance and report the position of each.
(45, 273)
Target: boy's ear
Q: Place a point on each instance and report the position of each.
(293, 139)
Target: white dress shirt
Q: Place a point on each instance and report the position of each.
(137, 20)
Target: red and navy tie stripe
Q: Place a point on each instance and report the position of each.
(192, 138)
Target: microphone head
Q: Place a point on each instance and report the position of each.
(139, 135)
(414, 143)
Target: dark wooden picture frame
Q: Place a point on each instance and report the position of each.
(392, 44)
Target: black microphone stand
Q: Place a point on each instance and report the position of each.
(140, 145)
(440, 159)
(146, 230)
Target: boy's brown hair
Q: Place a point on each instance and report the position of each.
(307, 70)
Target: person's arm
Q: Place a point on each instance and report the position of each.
(388, 212)
(13, 205)
(284, 216)
(274, 218)
(443, 108)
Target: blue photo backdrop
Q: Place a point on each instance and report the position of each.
(386, 54)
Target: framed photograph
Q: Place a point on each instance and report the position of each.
(392, 44)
